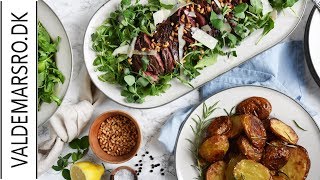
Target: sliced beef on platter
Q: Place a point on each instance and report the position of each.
(136, 63)
(150, 74)
(200, 19)
(174, 47)
(163, 32)
(155, 66)
(168, 60)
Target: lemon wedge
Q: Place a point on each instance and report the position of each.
(86, 171)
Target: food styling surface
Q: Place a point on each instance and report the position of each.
(150, 120)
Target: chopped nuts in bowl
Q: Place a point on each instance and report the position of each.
(115, 137)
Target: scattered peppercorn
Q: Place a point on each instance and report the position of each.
(140, 167)
(143, 155)
(162, 174)
(147, 152)
(140, 160)
(151, 170)
(161, 169)
(140, 164)
(136, 164)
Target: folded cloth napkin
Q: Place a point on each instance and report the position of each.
(69, 120)
(281, 67)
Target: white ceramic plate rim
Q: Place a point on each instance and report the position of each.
(62, 89)
(167, 97)
(234, 89)
(311, 44)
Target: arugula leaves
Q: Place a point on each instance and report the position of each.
(134, 19)
(281, 4)
(48, 72)
(230, 28)
(82, 147)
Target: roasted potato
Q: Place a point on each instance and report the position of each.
(219, 126)
(251, 170)
(256, 106)
(276, 155)
(216, 171)
(298, 165)
(236, 127)
(233, 150)
(279, 178)
(254, 130)
(232, 163)
(248, 149)
(214, 148)
(266, 124)
(283, 131)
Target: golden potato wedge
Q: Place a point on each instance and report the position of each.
(298, 165)
(214, 148)
(254, 130)
(232, 163)
(236, 127)
(251, 170)
(256, 106)
(216, 171)
(279, 178)
(266, 124)
(219, 126)
(283, 131)
(276, 155)
(233, 150)
(248, 149)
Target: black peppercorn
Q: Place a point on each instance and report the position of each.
(140, 160)
(151, 170)
(147, 152)
(162, 174)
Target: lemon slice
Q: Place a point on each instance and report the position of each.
(86, 171)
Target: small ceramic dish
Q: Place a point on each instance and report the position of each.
(118, 169)
(94, 142)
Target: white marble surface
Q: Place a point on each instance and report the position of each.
(75, 15)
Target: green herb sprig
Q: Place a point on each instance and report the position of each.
(201, 123)
(81, 146)
(231, 112)
(295, 122)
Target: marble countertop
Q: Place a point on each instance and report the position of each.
(75, 16)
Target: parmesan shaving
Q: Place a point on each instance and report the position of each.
(204, 38)
(133, 43)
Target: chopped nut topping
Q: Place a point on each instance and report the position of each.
(166, 45)
(202, 11)
(183, 18)
(130, 61)
(117, 135)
